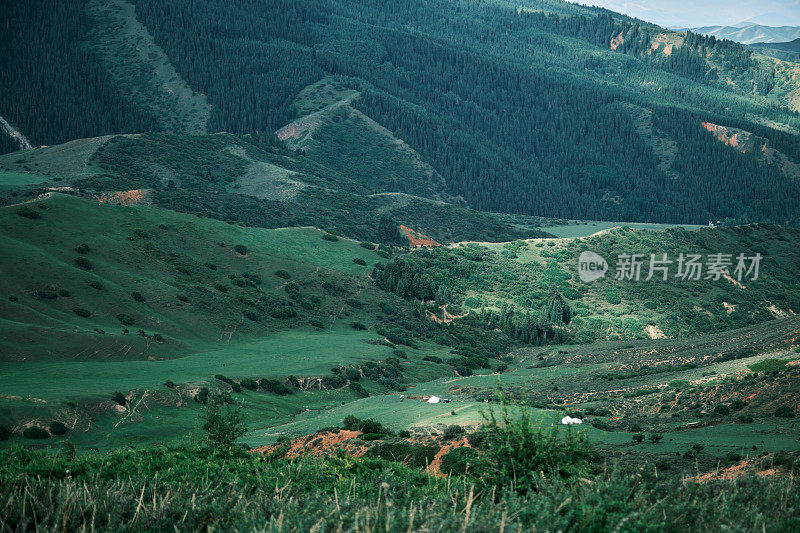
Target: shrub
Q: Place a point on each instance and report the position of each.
(655, 438)
(404, 434)
(223, 421)
(126, 320)
(45, 294)
(58, 429)
(64, 293)
(202, 396)
(274, 386)
(358, 326)
(520, 455)
(251, 315)
(432, 359)
(638, 437)
(371, 436)
(96, 285)
(355, 304)
(359, 261)
(27, 212)
(409, 454)
(359, 390)
(249, 384)
(453, 432)
(210, 265)
(386, 308)
(80, 311)
(169, 384)
(35, 432)
(83, 248)
(138, 296)
(330, 237)
(283, 313)
(679, 384)
(240, 249)
(4, 433)
(367, 245)
(83, 263)
(459, 461)
(119, 398)
(721, 410)
(282, 274)
(316, 323)
(737, 405)
(784, 411)
(769, 365)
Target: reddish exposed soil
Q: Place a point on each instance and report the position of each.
(132, 197)
(417, 239)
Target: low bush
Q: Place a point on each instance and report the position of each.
(459, 461)
(83, 263)
(283, 313)
(274, 386)
(359, 261)
(415, 456)
(83, 248)
(721, 410)
(80, 311)
(35, 432)
(26, 212)
(138, 296)
(330, 237)
(354, 303)
(240, 249)
(359, 390)
(119, 398)
(358, 326)
(126, 320)
(58, 429)
(784, 411)
(453, 431)
(282, 274)
(249, 384)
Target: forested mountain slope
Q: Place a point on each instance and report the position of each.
(522, 108)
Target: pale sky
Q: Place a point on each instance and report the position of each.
(695, 13)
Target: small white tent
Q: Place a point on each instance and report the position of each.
(568, 421)
(433, 399)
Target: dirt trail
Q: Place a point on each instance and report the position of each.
(22, 141)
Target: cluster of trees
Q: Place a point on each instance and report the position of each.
(53, 88)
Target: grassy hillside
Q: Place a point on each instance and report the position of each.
(99, 298)
(229, 178)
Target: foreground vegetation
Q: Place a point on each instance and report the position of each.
(198, 488)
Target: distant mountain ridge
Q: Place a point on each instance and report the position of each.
(751, 33)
